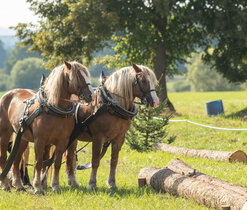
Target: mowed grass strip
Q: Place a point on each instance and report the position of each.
(189, 106)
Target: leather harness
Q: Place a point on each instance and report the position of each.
(108, 105)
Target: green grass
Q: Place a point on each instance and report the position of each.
(189, 106)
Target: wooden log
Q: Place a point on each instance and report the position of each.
(182, 168)
(236, 156)
(202, 192)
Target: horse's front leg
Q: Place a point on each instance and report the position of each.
(46, 156)
(71, 165)
(16, 175)
(97, 145)
(39, 149)
(116, 147)
(57, 165)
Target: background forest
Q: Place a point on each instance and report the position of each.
(20, 68)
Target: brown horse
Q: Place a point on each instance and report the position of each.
(46, 128)
(123, 86)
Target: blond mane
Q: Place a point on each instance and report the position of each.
(54, 83)
(120, 84)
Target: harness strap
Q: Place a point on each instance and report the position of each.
(20, 132)
(75, 133)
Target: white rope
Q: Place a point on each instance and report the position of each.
(207, 126)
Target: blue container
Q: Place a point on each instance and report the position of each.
(214, 107)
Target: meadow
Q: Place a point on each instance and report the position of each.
(188, 105)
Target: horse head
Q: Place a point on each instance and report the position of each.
(144, 86)
(81, 85)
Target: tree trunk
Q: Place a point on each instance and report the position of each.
(160, 70)
(160, 62)
(182, 168)
(236, 156)
(202, 192)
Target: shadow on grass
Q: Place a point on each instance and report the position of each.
(121, 192)
(242, 114)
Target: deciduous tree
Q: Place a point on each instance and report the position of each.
(160, 33)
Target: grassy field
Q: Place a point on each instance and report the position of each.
(189, 106)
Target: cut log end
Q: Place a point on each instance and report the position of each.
(142, 182)
(225, 208)
(238, 156)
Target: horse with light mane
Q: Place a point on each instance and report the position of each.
(47, 128)
(123, 86)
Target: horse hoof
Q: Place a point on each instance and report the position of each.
(39, 192)
(74, 185)
(21, 189)
(6, 189)
(57, 190)
(92, 187)
(112, 186)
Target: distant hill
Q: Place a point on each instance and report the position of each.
(7, 36)
(9, 41)
(6, 31)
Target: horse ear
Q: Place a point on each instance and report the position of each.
(102, 78)
(67, 64)
(136, 68)
(42, 80)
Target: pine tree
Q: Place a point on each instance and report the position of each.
(147, 128)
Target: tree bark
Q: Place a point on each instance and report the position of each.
(202, 192)
(160, 62)
(160, 70)
(182, 168)
(236, 156)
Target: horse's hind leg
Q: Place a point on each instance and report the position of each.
(116, 147)
(5, 134)
(16, 175)
(70, 165)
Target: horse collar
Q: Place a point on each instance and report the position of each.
(114, 108)
(54, 110)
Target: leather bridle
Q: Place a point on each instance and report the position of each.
(145, 98)
(82, 95)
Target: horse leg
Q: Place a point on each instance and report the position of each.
(5, 135)
(97, 146)
(25, 177)
(116, 147)
(46, 156)
(55, 180)
(16, 175)
(38, 148)
(71, 164)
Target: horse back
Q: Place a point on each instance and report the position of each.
(12, 105)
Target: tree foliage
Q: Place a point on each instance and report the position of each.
(26, 73)
(3, 54)
(160, 33)
(16, 54)
(203, 78)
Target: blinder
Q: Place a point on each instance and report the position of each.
(81, 94)
(84, 96)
